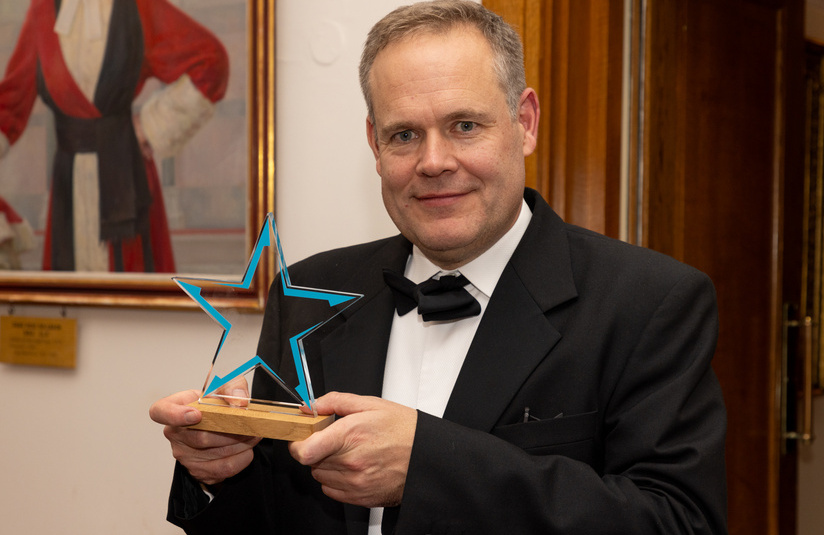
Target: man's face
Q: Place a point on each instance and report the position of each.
(449, 153)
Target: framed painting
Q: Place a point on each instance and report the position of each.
(202, 184)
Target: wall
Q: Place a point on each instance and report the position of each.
(78, 453)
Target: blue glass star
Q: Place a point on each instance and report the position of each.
(303, 391)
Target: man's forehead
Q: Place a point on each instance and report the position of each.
(437, 33)
(463, 51)
(442, 75)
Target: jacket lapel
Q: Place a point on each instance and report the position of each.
(502, 355)
(354, 354)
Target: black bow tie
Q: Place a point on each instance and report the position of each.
(437, 299)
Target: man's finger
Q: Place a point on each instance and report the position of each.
(343, 404)
(213, 472)
(319, 446)
(235, 392)
(173, 410)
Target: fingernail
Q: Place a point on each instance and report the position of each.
(191, 417)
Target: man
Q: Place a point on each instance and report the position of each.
(577, 397)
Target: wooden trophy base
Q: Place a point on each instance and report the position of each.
(258, 421)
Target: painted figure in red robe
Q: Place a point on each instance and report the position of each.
(88, 60)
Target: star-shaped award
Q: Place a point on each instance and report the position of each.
(224, 411)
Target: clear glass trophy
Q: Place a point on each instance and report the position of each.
(287, 411)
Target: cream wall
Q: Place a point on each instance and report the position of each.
(78, 453)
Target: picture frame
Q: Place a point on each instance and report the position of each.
(157, 290)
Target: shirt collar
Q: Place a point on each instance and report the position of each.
(484, 271)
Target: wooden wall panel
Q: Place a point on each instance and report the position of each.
(719, 160)
(573, 55)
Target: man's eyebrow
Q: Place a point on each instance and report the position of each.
(392, 128)
(469, 115)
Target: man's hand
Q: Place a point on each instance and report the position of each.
(363, 458)
(209, 457)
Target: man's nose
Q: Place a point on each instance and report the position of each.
(436, 156)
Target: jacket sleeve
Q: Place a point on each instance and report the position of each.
(663, 430)
(244, 504)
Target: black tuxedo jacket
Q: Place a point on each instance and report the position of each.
(608, 345)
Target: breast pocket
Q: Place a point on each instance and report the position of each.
(570, 436)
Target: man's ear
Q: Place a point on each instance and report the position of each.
(371, 137)
(529, 112)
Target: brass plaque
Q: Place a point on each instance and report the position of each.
(38, 341)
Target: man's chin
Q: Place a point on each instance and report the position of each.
(443, 242)
(447, 250)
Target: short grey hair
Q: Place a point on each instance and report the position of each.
(439, 17)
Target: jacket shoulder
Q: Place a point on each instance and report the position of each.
(337, 267)
(615, 268)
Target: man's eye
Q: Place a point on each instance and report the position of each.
(466, 126)
(405, 136)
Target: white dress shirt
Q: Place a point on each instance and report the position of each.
(424, 358)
